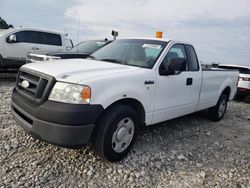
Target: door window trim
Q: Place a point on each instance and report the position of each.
(188, 59)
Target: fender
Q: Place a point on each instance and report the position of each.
(228, 83)
(116, 92)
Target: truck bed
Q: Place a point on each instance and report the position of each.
(213, 83)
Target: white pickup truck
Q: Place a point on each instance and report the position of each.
(17, 43)
(124, 86)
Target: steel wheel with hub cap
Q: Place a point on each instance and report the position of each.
(116, 132)
(123, 135)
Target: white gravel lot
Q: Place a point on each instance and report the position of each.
(186, 152)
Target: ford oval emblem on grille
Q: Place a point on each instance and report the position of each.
(25, 84)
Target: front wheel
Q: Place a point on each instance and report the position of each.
(217, 112)
(116, 132)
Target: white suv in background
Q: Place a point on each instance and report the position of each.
(15, 44)
(244, 80)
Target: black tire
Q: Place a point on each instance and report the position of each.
(107, 125)
(247, 99)
(214, 113)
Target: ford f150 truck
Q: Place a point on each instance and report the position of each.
(81, 50)
(122, 87)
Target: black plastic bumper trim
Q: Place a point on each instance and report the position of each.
(61, 135)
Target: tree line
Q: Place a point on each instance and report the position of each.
(4, 25)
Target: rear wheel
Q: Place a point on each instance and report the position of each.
(217, 112)
(116, 132)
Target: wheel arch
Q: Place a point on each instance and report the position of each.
(227, 91)
(1, 61)
(133, 103)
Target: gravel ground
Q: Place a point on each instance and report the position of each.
(186, 152)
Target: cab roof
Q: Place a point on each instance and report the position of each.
(32, 29)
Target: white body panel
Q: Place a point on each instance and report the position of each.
(52, 48)
(214, 82)
(19, 50)
(173, 98)
(168, 97)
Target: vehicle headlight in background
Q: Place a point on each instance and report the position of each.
(50, 58)
(244, 79)
(70, 93)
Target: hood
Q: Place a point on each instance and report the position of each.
(76, 70)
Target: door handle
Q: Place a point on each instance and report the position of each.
(35, 48)
(189, 81)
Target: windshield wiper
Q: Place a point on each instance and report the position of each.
(114, 60)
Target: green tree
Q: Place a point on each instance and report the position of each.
(3, 24)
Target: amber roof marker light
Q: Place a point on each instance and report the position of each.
(159, 34)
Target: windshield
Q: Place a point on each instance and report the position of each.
(134, 52)
(88, 46)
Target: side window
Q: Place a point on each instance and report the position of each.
(52, 39)
(28, 37)
(177, 51)
(21, 36)
(34, 37)
(193, 64)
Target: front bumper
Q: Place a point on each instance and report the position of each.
(66, 125)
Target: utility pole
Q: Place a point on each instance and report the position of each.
(78, 28)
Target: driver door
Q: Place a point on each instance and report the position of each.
(176, 94)
(26, 41)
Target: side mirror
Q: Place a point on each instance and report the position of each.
(11, 38)
(176, 64)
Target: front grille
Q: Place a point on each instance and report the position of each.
(34, 86)
(35, 58)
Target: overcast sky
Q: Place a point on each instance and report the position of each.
(219, 29)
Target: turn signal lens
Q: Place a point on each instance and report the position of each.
(86, 94)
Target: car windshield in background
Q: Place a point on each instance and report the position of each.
(134, 52)
(88, 46)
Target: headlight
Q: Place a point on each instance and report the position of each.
(70, 93)
(50, 58)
